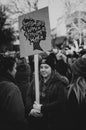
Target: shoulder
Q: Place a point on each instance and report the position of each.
(9, 86)
(61, 79)
(10, 94)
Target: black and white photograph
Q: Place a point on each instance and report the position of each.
(42, 64)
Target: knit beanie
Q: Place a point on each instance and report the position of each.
(50, 60)
(79, 66)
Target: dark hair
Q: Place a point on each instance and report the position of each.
(79, 67)
(23, 72)
(7, 63)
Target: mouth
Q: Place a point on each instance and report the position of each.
(43, 73)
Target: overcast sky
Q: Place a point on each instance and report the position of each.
(55, 9)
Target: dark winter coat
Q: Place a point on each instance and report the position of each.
(12, 111)
(75, 113)
(52, 97)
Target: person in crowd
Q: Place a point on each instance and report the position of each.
(12, 110)
(76, 99)
(23, 80)
(49, 114)
(60, 63)
(60, 60)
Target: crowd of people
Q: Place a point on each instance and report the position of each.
(62, 89)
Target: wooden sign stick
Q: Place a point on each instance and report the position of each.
(36, 78)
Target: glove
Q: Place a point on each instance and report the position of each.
(37, 106)
(35, 113)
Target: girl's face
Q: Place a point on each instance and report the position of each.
(45, 70)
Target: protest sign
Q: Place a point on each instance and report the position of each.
(34, 29)
(35, 38)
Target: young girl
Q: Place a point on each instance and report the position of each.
(49, 114)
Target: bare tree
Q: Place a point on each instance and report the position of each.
(6, 32)
(18, 7)
(73, 16)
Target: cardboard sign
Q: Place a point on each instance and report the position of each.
(34, 31)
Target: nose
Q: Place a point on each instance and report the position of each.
(43, 68)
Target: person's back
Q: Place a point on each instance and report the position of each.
(11, 107)
(12, 111)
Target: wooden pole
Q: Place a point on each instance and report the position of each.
(36, 78)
